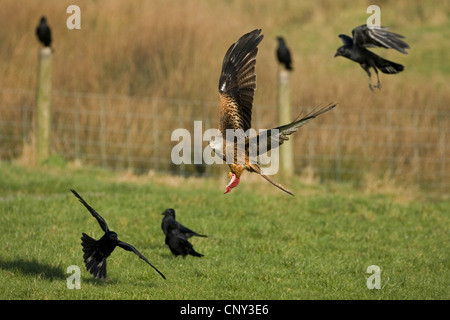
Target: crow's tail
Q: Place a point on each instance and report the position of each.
(96, 267)
(200, 235)
(387, 66)
(194, 253)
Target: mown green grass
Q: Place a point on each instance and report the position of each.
(262, 243)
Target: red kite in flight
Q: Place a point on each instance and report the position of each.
(237, 86)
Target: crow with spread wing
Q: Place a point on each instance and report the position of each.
(370, 37)
(97, 251)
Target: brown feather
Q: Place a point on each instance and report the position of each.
(237, 83)
(257, 169)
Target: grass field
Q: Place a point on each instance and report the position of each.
(262, 243)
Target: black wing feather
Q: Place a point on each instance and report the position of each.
(346, 39)
(364, 36)
(129, 247)
(94, 213)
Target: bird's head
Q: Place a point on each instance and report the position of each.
(342, 51)
(234, 181)
(169, 213)
(112, 235)
(280, 39)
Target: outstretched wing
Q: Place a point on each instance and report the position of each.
(94, 213)
(346, 40)
(129, 247)
(274, 138)
(364, 36)
(237, 83)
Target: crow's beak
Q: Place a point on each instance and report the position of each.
(336, 54)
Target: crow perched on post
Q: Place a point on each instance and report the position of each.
(283, 54)
(44, 33)
(366, 37)
(97, 251)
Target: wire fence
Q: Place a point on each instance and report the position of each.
(126, 132)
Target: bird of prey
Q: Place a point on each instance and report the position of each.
(97, 251)
(44, 33)
(177, 235)
(369, 37)
(283, 54)
(237, 84)
(170, 222)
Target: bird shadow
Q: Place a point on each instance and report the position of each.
(46, 271)
(100, 282)
(33, 268)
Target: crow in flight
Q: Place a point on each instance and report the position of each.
(366, 37)
(97, 251)
(177, 235)
(283, 54)
(44, 33)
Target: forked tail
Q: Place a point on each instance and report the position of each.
(257, 169)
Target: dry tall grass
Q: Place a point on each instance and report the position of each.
(173, 49)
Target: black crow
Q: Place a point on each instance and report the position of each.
(177, 235)
(97, 251)
(169, 220)
(283, 54)
(178, 243)
(44, 33)
(367, 37)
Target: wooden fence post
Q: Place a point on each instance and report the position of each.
(43, 105)
(286, 152)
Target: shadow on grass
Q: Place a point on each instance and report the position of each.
(45, 271)
(34, 268)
